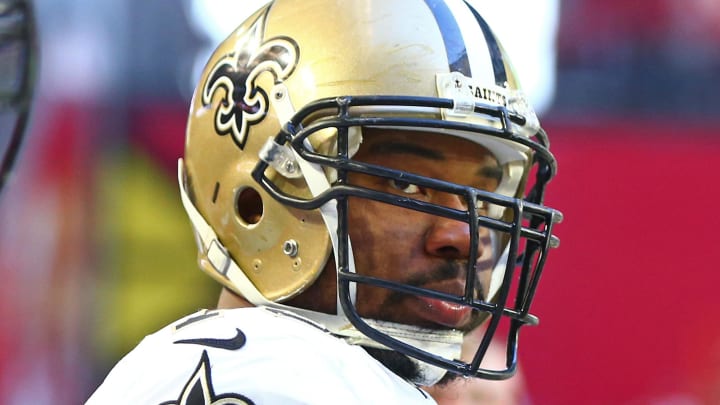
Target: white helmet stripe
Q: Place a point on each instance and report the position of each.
(465, 42)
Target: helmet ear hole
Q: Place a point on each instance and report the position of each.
(249, 206)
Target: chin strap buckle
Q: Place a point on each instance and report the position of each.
(218, 257)
(280, 158)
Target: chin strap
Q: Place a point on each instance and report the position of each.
(317, 183)
(447, 344)
(214, 254)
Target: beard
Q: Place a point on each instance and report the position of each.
(396, 362)
(403, 366)
(447, 379)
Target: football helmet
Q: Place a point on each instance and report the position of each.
(17, 72)
(279, 114)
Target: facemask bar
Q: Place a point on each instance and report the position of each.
(336, 113)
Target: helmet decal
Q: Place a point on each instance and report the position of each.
(496, 55)
(244, 103)
(450, 30)
(462, 28)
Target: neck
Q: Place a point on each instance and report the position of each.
(229, 300)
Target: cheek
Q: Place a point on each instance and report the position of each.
(380, 232)
(384, 243)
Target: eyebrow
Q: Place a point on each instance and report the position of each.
(388, 148)
(491, 172)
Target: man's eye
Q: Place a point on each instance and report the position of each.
(404, 186)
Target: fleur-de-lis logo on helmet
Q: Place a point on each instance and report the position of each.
(244, 103)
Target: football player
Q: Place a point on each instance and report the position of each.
(18, 53)
(365, 179)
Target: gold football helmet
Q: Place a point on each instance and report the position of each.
(277, 117)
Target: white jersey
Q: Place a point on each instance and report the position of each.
(251, 356)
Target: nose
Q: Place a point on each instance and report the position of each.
(449, 238)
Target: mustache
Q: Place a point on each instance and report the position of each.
(447, 271)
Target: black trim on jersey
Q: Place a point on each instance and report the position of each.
(199, 389)
(424, 394)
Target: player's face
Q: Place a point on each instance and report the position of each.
(415, 248)
(411, 247)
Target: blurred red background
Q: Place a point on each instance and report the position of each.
(628, 302)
